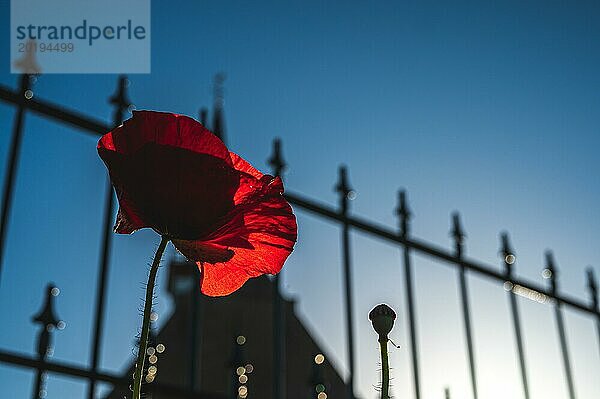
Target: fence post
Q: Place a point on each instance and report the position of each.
(551, 273)
(508, 257)
(121, 102)
(458, 234)
(279, 333)
(345, 192)
(594, 296)
(48, 321)
(404, 214)
(13, 161)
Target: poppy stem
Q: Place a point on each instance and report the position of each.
(385, 370)
(141, 356)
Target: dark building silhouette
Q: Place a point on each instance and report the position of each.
(218, 125)
(223, 347)
(218, 116)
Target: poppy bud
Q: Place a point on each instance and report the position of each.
(382, 317)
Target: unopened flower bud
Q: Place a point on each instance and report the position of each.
(382, 317)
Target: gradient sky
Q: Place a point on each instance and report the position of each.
(490, 109)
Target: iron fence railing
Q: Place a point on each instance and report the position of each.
(23, 99)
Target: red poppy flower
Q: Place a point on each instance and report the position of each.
(173, 175)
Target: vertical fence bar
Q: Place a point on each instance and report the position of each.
(279, 360)
(509, 258)
(48, 322)
(203, 115)
(121, 103)
(551, 273)
(344, 190)
(404, 213)
(13, 161)
(459, 236)
(593, 287)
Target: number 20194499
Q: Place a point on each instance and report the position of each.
(33, 47)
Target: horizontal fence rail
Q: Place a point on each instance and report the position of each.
(83, 122)
(115, 380)
(400, 237)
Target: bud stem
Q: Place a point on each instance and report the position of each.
(385, 369)
(141, 356)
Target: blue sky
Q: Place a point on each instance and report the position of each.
(486, 108)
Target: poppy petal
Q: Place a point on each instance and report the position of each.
(242, 165)
(221, 279)
(127, 221)
(211, 253)
(180, 191)
(166, 129)
(260, 232)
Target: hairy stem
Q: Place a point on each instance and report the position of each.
(385, 370)
(141, 357)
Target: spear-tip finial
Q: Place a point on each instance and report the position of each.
(550, 265)
(550, 272)
(403, 211)
(343, 187)
(47, 316)
(120, 99)
(507, 252)
(457, 233)
(591, 279)
(276, 160)
(593, 286)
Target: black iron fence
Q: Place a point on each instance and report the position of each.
(23, 99)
